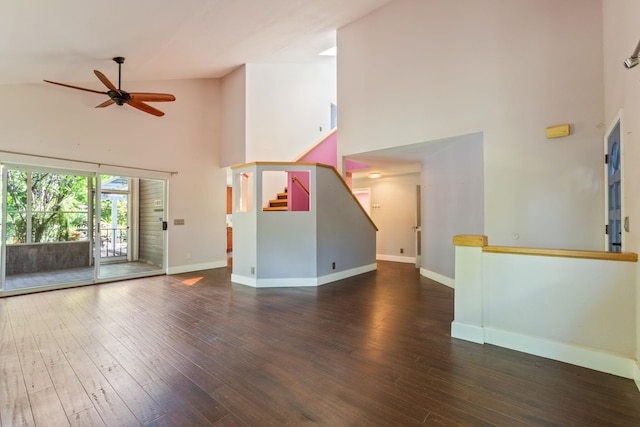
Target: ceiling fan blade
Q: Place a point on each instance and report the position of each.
(152, 97)
(76, 87)
(146, 108)
(106, 103)
(105, 81)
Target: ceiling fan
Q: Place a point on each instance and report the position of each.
(121, 97)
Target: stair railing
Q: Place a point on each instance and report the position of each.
(296, 180)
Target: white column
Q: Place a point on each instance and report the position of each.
(467, 319)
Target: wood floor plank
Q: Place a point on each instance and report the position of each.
(112, 409)
(125, 386)
(243, 408)
(139, 402)
(34, 371)
(71, 393)
(163, 421)
(229, 421)
(87, 418)
(47, 409)
(184, 399)
(196, 349)
(15, 408)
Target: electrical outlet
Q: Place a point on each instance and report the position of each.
(401, 250)
(253, 270)
(333, 265)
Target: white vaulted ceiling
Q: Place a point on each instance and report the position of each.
(164, 39)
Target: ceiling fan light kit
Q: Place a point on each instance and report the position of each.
(120, 97)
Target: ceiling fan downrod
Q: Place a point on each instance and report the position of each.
(119, 60)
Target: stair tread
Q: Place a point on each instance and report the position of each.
(280, 203)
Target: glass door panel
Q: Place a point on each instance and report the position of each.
(130, 238)
(46, 242)
(114, 228)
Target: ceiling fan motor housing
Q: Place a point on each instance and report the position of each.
(119, 98)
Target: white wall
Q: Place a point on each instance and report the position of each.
(575, 301)
(49, 120)
(394, 214)
(622, 92)
(286, 107)
(233, 118)
(344, 234)
(453, 202)
(576, 310)
(422, 70)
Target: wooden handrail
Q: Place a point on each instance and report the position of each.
(296, 179)
(564, 253)
(285, 165)
(482, 242)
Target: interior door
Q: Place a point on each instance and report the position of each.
(614, 187)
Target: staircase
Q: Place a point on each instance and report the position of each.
(278, 204)
(324, 234)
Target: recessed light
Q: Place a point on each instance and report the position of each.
(375, 175)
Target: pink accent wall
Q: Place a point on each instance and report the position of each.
(350, 165)
(298, 199)
(326, 152)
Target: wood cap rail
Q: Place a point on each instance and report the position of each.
(482, 241)
(284, 165)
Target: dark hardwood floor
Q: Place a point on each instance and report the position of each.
(196, 350)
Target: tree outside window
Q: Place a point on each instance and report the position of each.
(46, 207)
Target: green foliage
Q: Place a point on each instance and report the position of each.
(58, 206)
(105, 213)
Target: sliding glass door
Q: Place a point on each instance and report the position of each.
(130, 239)
(46, 228)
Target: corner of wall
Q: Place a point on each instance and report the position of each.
(196, 267)
(467, 332)
(447, 281)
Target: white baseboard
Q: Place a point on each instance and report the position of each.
(405, 259)
(292, 282)
(196, 267)
(323, 280)
(447, 281)
(576, 355)
(243, 280)
(467, 332)
(636, 374)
